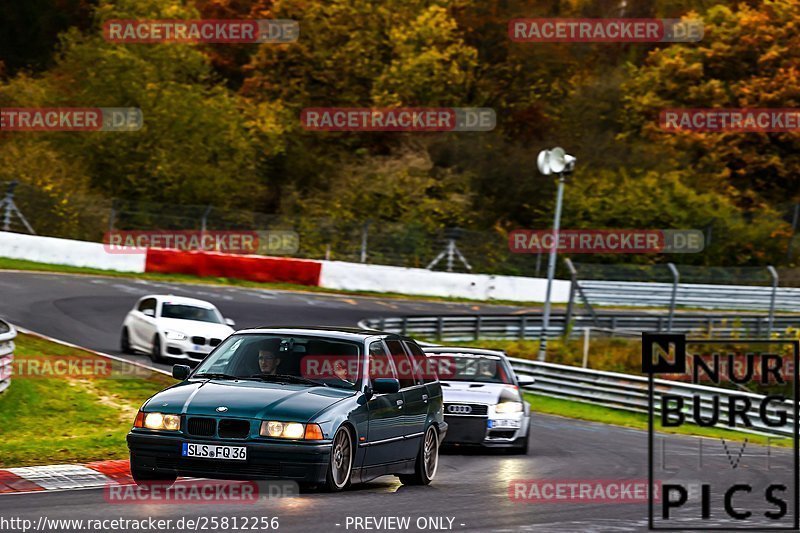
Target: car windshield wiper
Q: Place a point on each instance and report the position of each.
(216, 375)
(289, 378)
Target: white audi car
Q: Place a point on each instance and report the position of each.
(483, 403)
(166, 326)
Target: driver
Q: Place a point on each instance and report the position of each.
(268, 361)
(340, 371)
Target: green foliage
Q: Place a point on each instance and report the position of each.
(222, 122)
(747, 59)
(198, 138)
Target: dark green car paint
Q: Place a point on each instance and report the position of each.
(387, 428)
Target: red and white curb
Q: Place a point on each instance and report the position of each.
(65, 477)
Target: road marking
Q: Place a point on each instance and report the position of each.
(61, 476)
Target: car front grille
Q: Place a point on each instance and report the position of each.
(466, 409)
(502, 433)
(465, 430)
(203, 427)
(199, 340)
(214, 342)
(231, 428)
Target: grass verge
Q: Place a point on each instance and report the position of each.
(610, 354)
(49, 417)
(618, 417)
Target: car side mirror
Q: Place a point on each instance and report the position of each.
(181, 372)
(149, 312)
(385, 385)
(525, 381)
(230, 322)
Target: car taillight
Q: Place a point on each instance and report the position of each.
(139, 422)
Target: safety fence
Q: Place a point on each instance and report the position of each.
(7, 335)
(630, 393)
(702, 296)
(509, 327)
(665, 286)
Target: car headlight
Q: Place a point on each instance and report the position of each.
(508, 407)
(290, 430)
(157, 421)
(175, 335)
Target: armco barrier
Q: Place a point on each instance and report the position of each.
(7, 335)
(339, 275)
(630, 393)
(474, 327)
(630, 293)
(247, 267)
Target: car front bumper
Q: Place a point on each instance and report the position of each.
(186, 350)
(301, 462)
(476, 431)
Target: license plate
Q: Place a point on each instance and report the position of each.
(211, 451)
(505, 424)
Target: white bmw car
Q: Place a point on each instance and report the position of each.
(483, 403)
(166, 326)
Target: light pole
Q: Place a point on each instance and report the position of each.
(558, 162)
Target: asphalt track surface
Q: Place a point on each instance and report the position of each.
(472, 489)
(89, 310)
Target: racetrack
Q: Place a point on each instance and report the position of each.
(473, 489)
(88, 310)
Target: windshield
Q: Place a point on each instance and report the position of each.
(286, 359)
(474, 368)
(190, 312)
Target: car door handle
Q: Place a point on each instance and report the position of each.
(400, 403)
(425, 398)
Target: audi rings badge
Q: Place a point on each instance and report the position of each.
(459, 409)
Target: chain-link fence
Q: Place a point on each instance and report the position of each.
(81, 215)
(661, 273)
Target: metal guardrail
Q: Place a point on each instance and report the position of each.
(630, 393)
(7, 335)
(473, 327)
(690, 295)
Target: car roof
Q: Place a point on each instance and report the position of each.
(462, 350)
(343, 333)
(171, 298)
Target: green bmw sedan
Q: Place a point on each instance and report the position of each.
(324, 407)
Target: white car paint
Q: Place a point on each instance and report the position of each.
(175, 336)
(467, 394)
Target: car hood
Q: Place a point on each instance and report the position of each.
(195, 327)
(247, 399)
(466, 392)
